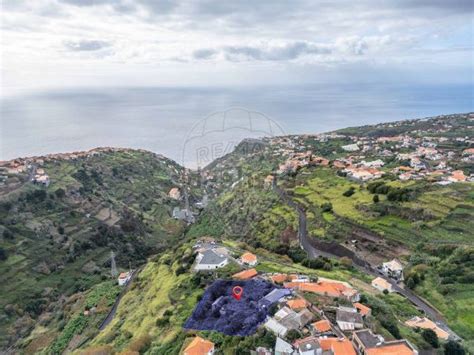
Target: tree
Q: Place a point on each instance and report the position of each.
(391, 326)
(292, 335)
(453, 348)
(376, 199)
(411, 283)
(60, 193)
(3, 254)
(7, 234)
(430, 336)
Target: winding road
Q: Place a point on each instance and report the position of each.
(362, 265)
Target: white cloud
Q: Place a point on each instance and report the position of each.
(50, 39)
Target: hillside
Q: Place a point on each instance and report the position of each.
(57, 241)
(398, 190)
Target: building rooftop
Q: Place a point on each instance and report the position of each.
(297, 303)
(322, 326)
(307, 344)
(199, 346)
(337, 346)
(248, 257)
(363, 309)
(246, 274)
(367, 338)
(348, 316)
(211, 258)
(397, 347)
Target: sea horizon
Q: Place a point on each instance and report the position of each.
(159, 119)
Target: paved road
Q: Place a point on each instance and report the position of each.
(362, 265)
(113, 310)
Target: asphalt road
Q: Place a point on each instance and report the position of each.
(363, 266)
(113, 310)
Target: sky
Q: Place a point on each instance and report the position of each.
(48, 44)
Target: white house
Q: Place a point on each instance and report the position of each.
(349, 319)
(350, 147)
(124, 277)
(308, 346)
(210, 260)
(283, 348)
(393, 269)
(276, 328)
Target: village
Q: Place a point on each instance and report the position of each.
(366, 158)
(340, 325)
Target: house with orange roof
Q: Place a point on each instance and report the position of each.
(199, 346)
(368, 343)
(338, 346)
(381, 284)
(249, 259)
(468, 151)
(322, 326)
(425, 323)
(330, 288)
(338, 164)
(320, 161)
(297, 304)
(397, 347)
(457, 176)
(362, 309)
(174, 193)
(245, 275)
(279, 278)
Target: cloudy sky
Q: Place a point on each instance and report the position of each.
(75, 43)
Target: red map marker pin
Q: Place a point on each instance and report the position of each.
(237, 292)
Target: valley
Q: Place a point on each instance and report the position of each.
(331, 206)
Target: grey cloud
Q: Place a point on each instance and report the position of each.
(204, 53)
(86, 45)
(445, 5)
(274, 53)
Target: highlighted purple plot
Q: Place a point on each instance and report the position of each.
(219, 310)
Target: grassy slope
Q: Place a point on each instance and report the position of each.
(158, 294)
(74, 260)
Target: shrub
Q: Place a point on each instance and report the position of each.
(180, 270)
(391, 326)
(453, 348)
(349, 192)
(141, 344)
(430, 336)
(376, 199)
(162, 322)
(317, 263)
(326, 207)
(297, 254)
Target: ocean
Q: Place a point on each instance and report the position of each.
(161, 119)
